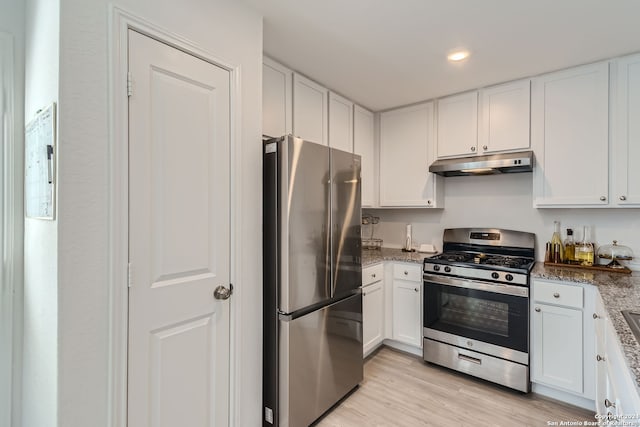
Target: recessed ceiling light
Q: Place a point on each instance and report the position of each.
(458, 55)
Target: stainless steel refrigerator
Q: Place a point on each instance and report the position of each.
(312, 277)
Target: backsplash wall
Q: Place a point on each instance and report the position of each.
(504, 201)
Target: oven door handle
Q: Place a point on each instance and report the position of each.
(499, 288)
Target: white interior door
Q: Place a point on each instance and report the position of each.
(179, 144)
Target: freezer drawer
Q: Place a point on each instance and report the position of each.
(320, 360)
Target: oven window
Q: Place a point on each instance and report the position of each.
(491, 317)
(494, 318)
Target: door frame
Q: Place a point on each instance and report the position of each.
(11, 235)
(120, 22)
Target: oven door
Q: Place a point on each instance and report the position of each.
(494, 315)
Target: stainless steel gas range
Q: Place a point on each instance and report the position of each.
(476, 304)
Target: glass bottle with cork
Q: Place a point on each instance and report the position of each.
(557, 248)
(569, 248)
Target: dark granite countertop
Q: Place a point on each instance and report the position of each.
(618, 291)
(370, 257)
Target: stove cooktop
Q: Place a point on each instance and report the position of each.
(493, 261)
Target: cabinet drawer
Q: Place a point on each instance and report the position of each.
(372, 274)
(412, 273)
(556, 293)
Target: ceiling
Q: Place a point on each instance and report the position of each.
(386, 53)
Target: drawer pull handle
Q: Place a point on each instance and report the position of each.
(556, 295)
(609, 404)
(599, 358)
(538, 309)
(470, 359)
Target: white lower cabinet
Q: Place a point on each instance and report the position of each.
(372, 316)
(562, 347)
(557, 347)
(407, 298)
(372, 307)
(616, 394)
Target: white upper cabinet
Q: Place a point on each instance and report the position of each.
(503, 123)
(364, 145)
(458, 125)
(570, 137)
(340, 123)
(276, 99)
(406, 151)
(310, 112)
(626, 132)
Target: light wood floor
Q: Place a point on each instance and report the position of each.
(400, 390)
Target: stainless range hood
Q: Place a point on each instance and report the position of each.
(484, 165)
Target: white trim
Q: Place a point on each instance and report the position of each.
(120, 21)
(8, 232)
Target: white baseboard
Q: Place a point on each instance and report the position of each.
(417, 351)
(564, 396)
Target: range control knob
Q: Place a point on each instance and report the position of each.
(436, 268)
(447, 269)
(509, 277)
(495, 275)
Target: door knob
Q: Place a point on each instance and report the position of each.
(222, 292)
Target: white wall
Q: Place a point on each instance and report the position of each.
(228, 30)
(40, 373)
(12, 23)
(504, 201)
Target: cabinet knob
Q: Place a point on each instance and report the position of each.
(609, 404)
(406, 273)
(416, 289)
(538, 309)
(623, 198)
(595, 316)
(364, 294)
(485, 148)
(473, 148)
(373, 275)
(429, 201)
(603, 198)
(599, 358)
(556, 295)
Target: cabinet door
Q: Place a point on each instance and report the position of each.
(557, 347)
(626, 133)
(276, 99)
(458, 125)
(407, 327)
(503, 123)
(372, 316)
(340, 123)
(310, 121)
(569, 134)
(406, 138)
(364, 145)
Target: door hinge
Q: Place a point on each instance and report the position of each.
(129, 275)
(129, 84)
